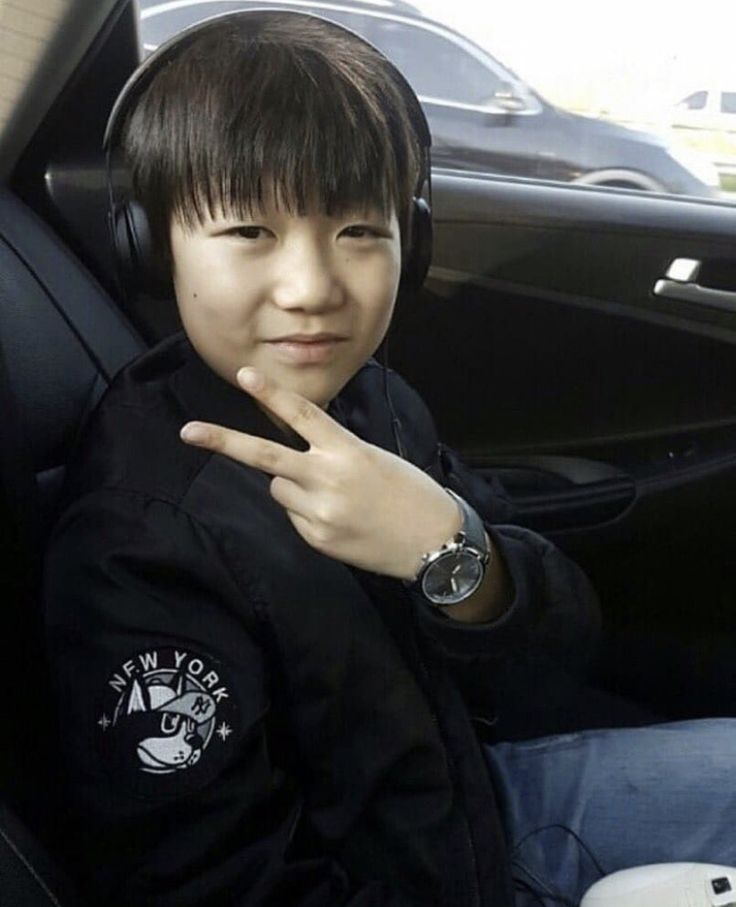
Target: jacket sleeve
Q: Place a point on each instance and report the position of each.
(177, 793)
(542, 642)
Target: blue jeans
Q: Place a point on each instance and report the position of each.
(579, 806)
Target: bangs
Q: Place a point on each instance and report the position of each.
(303, 145)
(235, 122)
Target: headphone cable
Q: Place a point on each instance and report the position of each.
(395, 421)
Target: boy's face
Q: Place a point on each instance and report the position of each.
(263, 290)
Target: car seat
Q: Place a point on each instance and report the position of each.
(61, 341)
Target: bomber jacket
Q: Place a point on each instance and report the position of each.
(246, 721)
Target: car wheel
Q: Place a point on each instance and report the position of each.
(621, 179)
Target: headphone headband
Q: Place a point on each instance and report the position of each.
(144, 74)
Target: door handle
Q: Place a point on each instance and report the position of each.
(555, 493)
(680, 282)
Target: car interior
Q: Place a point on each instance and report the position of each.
(606, 407)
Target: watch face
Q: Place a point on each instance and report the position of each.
(452, 578)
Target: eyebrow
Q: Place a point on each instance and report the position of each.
(254, 214)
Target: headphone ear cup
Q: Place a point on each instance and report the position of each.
(120, 243)
(419, 255)
(138, 268)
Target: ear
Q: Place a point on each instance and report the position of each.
(180, 687)
(138, 699)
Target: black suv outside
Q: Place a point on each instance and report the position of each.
(483, 117)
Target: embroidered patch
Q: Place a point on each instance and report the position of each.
(166, 712)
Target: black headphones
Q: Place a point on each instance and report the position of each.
(130, 232)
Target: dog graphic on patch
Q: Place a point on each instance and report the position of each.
(162, 709)
(169, 724)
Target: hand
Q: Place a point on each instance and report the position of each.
(348, 499)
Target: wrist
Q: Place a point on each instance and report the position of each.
(441, 531)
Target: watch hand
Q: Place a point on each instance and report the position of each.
(456, 569)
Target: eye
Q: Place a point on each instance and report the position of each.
(363, 231)
(170, 723)
(246, 231)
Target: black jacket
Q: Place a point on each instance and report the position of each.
(246, 721)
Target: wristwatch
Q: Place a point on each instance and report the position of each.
(453, 572)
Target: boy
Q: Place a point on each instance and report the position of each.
(265, 679)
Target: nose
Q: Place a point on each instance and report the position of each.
(194, 740)
(308, 278)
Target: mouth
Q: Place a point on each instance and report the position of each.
(307, 338)
(306, 349)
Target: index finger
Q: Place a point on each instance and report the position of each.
(268, 456)
(304, 417)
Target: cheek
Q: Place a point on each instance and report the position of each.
(377, 309)
(211, 296)
(386, 289)
(206, 282)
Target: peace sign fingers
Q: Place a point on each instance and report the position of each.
(347, 498)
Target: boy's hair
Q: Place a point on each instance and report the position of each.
(280, 102)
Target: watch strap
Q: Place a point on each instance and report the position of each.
(472, 528)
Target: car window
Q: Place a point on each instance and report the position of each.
(162, 21)
(426, 58)
(695, 101)
(159, 22)
(728, 102)
(614, 108)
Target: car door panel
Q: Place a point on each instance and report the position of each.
(546, 313)
(608, 413)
